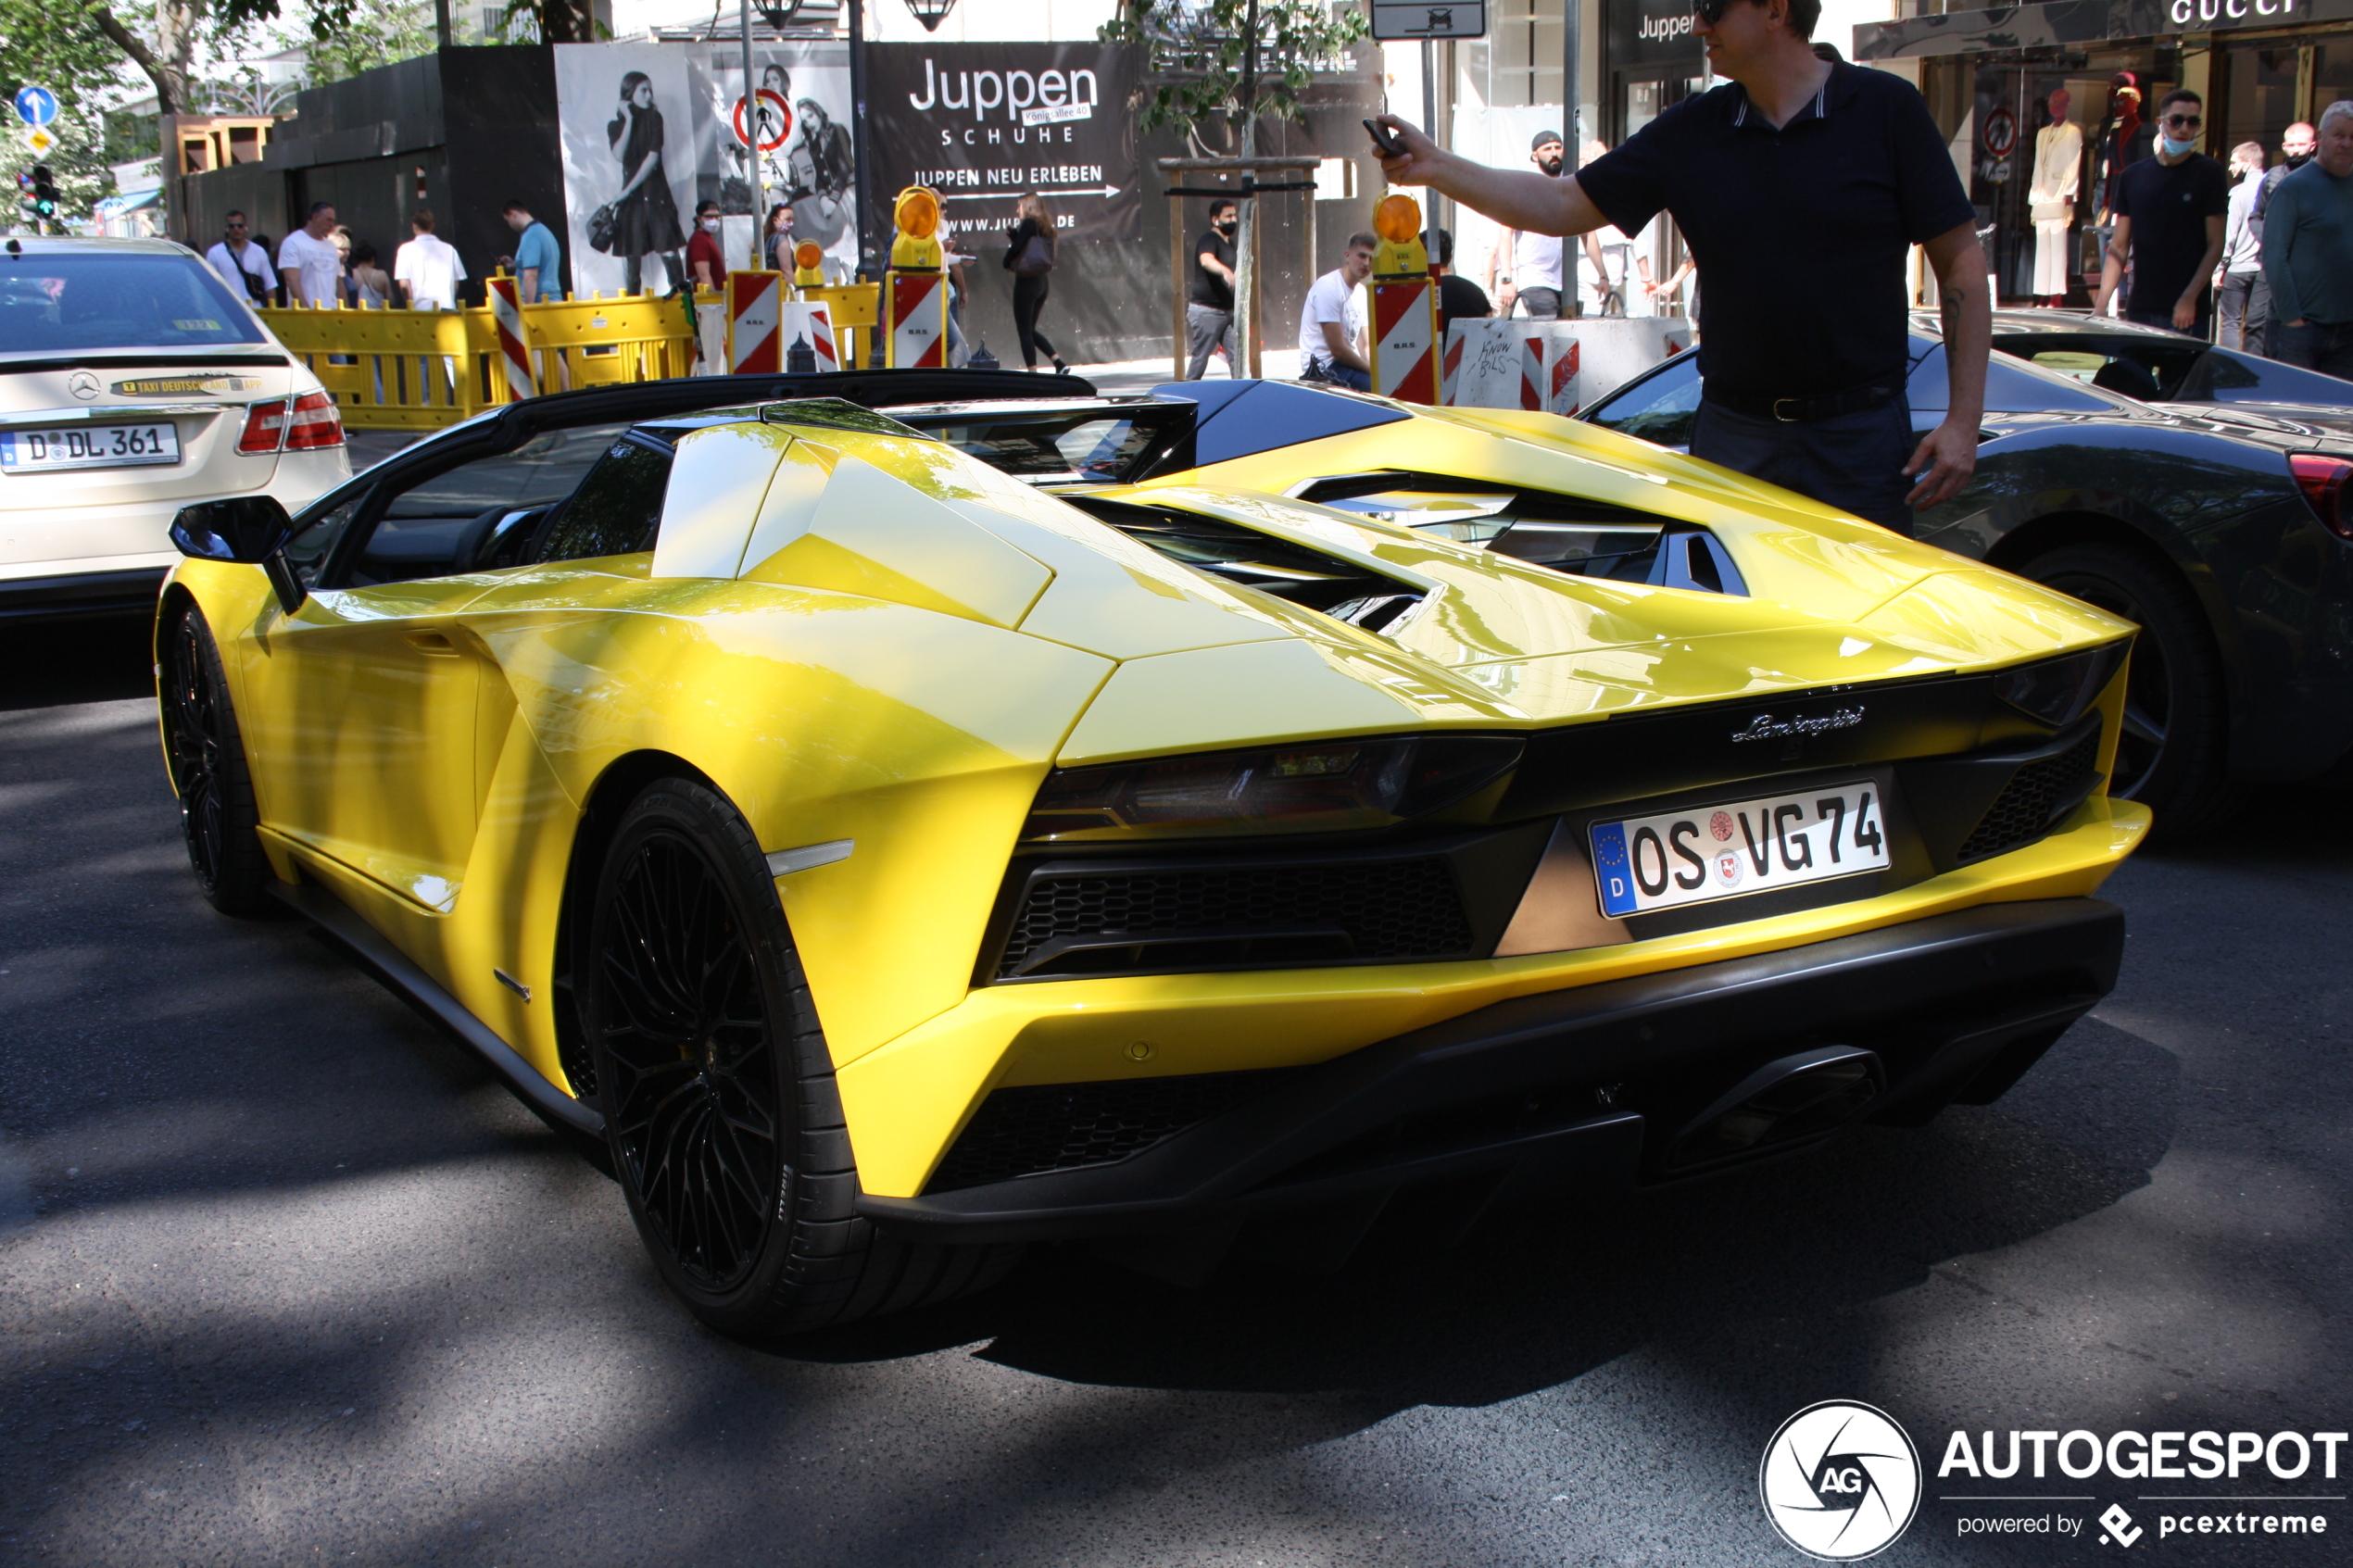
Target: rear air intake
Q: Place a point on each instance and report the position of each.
(2037, 795)
(1173, 920)
(1040, 1128)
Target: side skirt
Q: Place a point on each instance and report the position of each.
(401, 976)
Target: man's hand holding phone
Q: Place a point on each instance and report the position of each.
(1406, 156)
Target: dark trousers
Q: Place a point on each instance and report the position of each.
(2315, 345)
(1029, 298)
(1209, 328)
(1854, 462)
(2163, 320)
(2246, 311)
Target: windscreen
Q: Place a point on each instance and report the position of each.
(58, 301)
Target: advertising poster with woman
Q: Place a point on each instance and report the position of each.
(627, 126)
(809, 167)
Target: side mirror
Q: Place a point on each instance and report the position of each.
(252, 530)
(245, 528)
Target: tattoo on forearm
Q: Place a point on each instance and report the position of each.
(1948, 311)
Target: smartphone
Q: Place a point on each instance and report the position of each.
(1384, 140)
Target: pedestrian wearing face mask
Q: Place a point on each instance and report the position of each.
(2171, 211)
(2296, 143)
(706, 263)
(1209, 308)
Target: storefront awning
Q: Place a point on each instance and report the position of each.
(2066, 24)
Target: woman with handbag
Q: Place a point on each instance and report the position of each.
(1029, 256)
(643, 219)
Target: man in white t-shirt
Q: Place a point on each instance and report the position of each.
(312, 266)
(1527, 266)
(1331, 324)
(427, 268)
(242, 265)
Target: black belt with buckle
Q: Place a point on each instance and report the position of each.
(1804, 410)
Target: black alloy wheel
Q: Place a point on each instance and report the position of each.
(207, 757)
(721, 1109)
(2172, 754)
(692, 1093)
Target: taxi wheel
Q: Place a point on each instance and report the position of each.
(720, 1105)
(206, 755)
(2173, 754)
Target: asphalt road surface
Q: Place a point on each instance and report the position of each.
(286, 1277)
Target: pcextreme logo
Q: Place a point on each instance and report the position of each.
(1840, 1480)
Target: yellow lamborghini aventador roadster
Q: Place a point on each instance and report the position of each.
(903, 838)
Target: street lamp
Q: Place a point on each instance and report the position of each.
(931, 13)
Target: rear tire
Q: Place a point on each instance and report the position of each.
(206, 753)
(721, 1109)
(2174, 754)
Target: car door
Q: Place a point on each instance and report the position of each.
(366, 710)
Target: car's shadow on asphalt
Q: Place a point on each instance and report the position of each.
(1532, 1298)
(53, 663)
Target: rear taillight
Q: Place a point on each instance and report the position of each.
(2323, 480)
(315, 423)
(265, 427)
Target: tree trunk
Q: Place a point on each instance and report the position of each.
(567, 21)
(171, 85)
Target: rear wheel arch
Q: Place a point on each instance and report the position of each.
(609, 800)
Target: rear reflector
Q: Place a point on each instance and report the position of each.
(265, 427)
(2323, 480)
(315, 423)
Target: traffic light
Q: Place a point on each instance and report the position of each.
(44, 193)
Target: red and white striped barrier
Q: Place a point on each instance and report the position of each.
(813, 324)
(918, 337)
(1405, 339)
(506, 306)
(1558, 366)
(753, 343)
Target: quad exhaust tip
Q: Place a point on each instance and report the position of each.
(1794, 1100)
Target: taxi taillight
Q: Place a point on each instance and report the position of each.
(314, 423)
(265, 427)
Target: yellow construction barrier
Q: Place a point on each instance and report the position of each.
(855, 308)
(397, 370)
(597, 342)
(422, 370)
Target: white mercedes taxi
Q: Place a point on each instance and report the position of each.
(132, 381)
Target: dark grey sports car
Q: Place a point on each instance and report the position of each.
(2224, 528)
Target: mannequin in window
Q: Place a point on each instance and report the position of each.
(2058, 170)
(2123, 139)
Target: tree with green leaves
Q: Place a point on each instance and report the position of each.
(1234, 61)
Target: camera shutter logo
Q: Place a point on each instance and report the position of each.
(1840, 1480)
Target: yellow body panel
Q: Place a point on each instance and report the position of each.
(874, 638)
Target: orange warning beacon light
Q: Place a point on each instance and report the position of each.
(1398, 221)
(917, 214)
(809, 264)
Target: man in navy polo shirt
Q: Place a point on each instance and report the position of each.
(1800, 186)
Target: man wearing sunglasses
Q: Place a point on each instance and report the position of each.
(1801, 186)
(242, 265)
(2171, 214)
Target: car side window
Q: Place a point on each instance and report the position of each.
(1661, 409)
(617, 508)
(314, 539)
(477, 515)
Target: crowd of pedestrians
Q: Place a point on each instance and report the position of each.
(321, 264)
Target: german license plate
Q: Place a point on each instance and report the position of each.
(1646, 864)
(92, 447)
